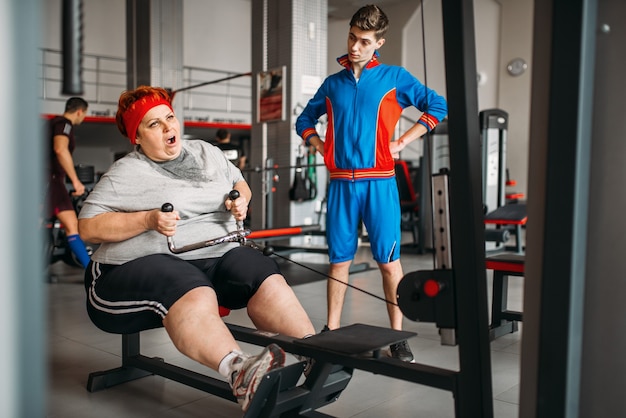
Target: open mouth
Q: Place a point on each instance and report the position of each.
(171, 140)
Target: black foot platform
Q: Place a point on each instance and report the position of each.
(355, 340)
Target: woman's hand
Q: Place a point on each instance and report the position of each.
(238, 207)
(162, 222)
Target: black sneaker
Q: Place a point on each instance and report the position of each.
(401, 351)
(308, 361)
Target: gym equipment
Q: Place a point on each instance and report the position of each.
(241, 235)
(512, 216)
(173, 92)
(502, 211)
(268, 234)
(336, 353)
(56, 247)
(409, 204)
(503, 320)
(304, 185)
(493, 127)
(85, 173)
(435, 159)
(234, 195)
(236, 236)
(512, 196)
(72, 47)
(303, 188)
(429, 295)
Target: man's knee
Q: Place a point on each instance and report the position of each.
(390, 267)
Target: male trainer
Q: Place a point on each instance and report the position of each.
(363, 102)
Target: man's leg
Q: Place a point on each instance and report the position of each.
(392, 275)
(342, 222)
(69, 221)
(336, 292)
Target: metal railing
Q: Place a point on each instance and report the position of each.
(104, 77)
(227, 101)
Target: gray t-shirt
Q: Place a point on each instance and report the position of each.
(197, 183)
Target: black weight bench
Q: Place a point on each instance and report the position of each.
(503, 320)
(278, 393)
(512, 216)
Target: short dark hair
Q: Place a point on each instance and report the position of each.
(222, 133)
(75, 103)
(371, 17)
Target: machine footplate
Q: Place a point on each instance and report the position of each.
(355, 339)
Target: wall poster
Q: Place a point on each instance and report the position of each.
(271, 94)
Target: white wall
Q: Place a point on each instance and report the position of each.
(337, 43)
(217, 35)
(516, 33)
(487, 33)
(104, 31)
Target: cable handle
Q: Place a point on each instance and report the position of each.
(234, 195)
(168, 207)
(237, 236)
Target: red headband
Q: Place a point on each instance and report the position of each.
(135, 113)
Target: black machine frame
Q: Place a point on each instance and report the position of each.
(336, 356)
(474, 393)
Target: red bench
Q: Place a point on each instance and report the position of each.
(503, 320)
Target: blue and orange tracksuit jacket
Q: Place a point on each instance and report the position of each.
(362, 117)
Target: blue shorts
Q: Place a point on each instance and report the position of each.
(377, 204)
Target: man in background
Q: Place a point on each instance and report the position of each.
(61, 165)
(233, 152)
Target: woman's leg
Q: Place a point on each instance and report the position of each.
(275, 307)
(196, 329)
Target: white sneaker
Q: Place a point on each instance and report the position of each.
(250, 371)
